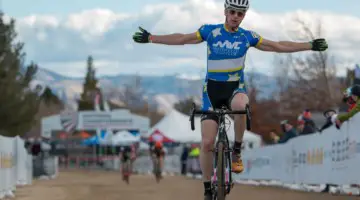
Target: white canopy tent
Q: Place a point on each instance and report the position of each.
(177, 126)
(124, 138)
(144, 146)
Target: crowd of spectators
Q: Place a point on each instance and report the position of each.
(305, 125)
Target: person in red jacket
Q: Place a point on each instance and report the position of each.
(348, 100)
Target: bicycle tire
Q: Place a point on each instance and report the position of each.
(220, 172)
(157, 167)
(124, 168)
(248, 118)
(126, 171)
(157, 170)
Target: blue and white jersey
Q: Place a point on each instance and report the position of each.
(226, 51)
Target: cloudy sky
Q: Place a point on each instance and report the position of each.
(60, 34)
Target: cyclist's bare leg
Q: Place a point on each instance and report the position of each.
(161, 162)
(208, 133)
(131, 165)
(239, 102)
(153, 158)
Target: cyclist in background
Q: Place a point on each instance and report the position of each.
(157, 152)
(127, 156)
(227, 45)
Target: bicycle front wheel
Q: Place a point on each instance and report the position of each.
(220, 171)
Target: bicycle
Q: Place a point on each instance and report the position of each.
(221, 182)
(126, 171)
(157, 170)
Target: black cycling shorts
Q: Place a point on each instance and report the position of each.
(125, 157)
(218, 93)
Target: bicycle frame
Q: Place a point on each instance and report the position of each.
(223, 142)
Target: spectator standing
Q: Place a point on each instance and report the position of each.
(305, 124)
(289, 132)
(183, 159)
(357, 74)
(274, 137)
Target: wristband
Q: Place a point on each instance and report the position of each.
(150, 38)
(334, 118)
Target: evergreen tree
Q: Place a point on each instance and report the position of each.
(18, 103)
(90, 89)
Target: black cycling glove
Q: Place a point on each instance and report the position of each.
(142, 36)
(319, 44)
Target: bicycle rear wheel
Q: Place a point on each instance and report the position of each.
(157, 170)
(126, 172)
(220, 171)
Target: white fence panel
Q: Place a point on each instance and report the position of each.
(15, 165)
(330, 157)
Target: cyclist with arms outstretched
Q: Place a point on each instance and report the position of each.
(224, 83)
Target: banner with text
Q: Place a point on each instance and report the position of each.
(332, 156)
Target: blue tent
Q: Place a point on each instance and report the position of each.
(91, 141)
(94, 140)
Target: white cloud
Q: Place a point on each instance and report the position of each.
(62, 44)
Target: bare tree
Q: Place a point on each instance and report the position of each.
(310, 78)
(132, 94)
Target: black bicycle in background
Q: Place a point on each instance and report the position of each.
(222, 179)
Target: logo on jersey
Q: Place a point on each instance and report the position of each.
(227, 44)
(234, 77)
(216, 32)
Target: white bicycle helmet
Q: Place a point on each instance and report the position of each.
(237, 4)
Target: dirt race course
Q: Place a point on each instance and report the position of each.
(96, 185)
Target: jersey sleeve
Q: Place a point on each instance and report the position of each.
(254, 38)
(346, 116)
(204, 31)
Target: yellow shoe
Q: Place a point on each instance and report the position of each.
(237, 164)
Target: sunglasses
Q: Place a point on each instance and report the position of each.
(238, 13)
